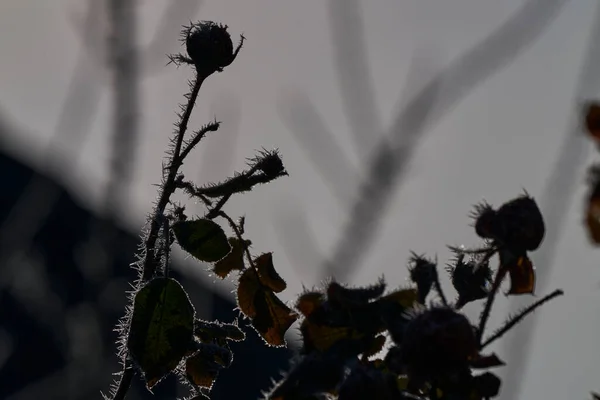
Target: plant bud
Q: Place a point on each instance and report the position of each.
(209, 46)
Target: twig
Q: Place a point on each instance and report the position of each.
(485, 315)
(168, 187)
(515, 320)
(124, 383)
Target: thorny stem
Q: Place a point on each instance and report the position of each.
(438, 288)
(166, 190)
(124, 383)
(234, 226)
(485, 315)
(168, 187)
(514, 321)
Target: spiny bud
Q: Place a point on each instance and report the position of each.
(438, 341)
(209, 46)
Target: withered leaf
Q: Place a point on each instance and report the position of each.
(215, 331)
(404, 297)
(267, 274)
(248, 286)
(273, 318)
(375, 346)
(308, 302)
(522, 276)
(486, 361)
(270, 317)
(203, 239)
(323, 337)
(346, 296)
(201, 370)
(234, 261)
(592, 120)
(593, 213)
(161, 328)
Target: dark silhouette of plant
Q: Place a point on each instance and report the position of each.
(160, 333)
(434, 347)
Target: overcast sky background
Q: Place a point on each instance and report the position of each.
(505, 134)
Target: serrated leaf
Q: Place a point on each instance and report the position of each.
(267, 274)
(270, 317)
(162, 328)
(203, 239)
(234, 261)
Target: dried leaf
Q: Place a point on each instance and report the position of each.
(248, 287)
(486, 361)
(592, 120)
(308, 302)
(323, 337)
(201, 371)
(234, 261)
(349, 297)
(267, 274)
(593, 213)
(161, 328)
(376, 346)
(404, 297)
(522, 276)
(273, 318)
(203, 239)
(216, 331)
(270, 317)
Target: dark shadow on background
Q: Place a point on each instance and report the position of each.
(57, 317)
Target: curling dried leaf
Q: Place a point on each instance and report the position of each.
(406, 298)
(308, 302)
(375, 346)
(203, 239)
(593, 213)
(234, 261)
(201, 370)
(248, 287)
(323, 337)
(273, 318)
(486, 361)
(216, 331)
(161, 328)
(345, 296)
(592, 120)
(522, 276)
(268, 276)
(270, 317)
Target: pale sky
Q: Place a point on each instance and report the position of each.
(502, 136)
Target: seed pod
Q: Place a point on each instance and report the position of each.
(209, 46)
(470, 279)
(438, 342)
(520, 224)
